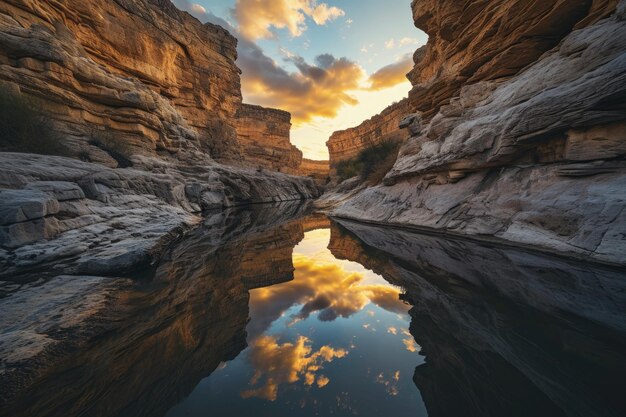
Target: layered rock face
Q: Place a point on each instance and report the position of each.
(153, 76)
(264, 135)
(144, 72)
(488, 40)
(531, 154)
(346, 144)
(316, 169)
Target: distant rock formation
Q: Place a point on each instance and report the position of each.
(316, 169)
(346, 144)
(523, 128)
(264, 137)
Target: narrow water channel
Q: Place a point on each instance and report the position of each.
(273, 311)
(334, 340)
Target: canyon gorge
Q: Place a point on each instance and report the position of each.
(177, 231)
(513, 129)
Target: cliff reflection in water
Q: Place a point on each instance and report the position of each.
(247, 315)
(505, 332)
(147, 343)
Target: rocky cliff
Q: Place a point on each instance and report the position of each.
(346, 144)
(523, 128)
(141, 69)
(138, 77)
(264, 135)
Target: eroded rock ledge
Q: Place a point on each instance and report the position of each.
(85, 218)
(534, 156)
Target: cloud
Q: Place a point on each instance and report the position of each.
(276, 364)
(198, 9)
(256, 18)
(410, 345)
(391, 75)
(319, 89)
(324, 13)
(392, 43)
(326, 289)
(391, 384)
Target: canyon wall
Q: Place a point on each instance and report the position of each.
(146, 98)
(142, 70)
(488, 40)
(523, 128)
(346, 144)
(264, 135)
(316, 169)
(149, 75)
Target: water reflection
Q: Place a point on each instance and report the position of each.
(330, 341)
(504, 331)
(273, 311)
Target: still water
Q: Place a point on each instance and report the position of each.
(333, 341)
(274, 311)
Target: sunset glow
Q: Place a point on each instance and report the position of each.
(318, 60)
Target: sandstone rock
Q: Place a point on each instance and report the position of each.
(488, 40)
(536, 158)
(153, 76)
(316, 169)
(264, 136)
(347, 144)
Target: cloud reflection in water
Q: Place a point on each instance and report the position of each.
(320, 287)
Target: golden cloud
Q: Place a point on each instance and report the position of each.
(314, 90)
(276, 364)
(257, 17)
(391, 384)
(324, 288)
(391, 75)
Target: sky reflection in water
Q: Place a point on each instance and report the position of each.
(334, 341)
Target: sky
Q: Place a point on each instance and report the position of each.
(331, 63)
